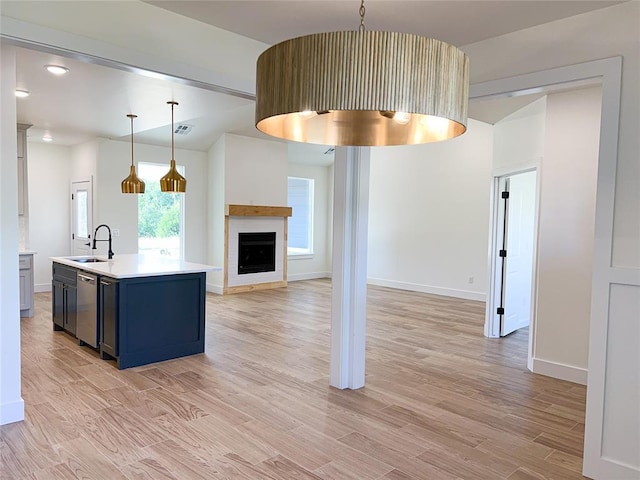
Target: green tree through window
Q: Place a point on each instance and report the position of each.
(159, 214)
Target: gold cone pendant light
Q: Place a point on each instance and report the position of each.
(362, 88)
(132, 184)
(173, 181)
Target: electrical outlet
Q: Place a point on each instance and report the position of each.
(470, 280)
(116, 232)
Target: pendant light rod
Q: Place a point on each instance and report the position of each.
(131, 117)
(362, 12)
(173, 104)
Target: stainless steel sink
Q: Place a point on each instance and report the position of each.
(87, 260)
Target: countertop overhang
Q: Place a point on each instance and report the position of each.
(134, 265)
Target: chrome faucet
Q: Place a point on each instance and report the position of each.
(95, 234)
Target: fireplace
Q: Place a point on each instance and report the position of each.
(256, 252)
(255, 248)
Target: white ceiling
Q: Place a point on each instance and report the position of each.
(93, 100)
(459, 22)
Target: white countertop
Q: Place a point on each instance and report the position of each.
(27, 252)
(131, 266)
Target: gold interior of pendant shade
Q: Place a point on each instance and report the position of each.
(132, 184)
(362, 88)
(173, 181)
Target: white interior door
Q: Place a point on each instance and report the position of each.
(518, 262)
(81, 217)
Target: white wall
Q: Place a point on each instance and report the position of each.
(255, 171)
(519, 137)
(215, 214)
(84, 157)
(319, 264)
(11, 404)
(566, 228)
(120, 210)
(49, 204)
(84, 166)
(429, 215)
(573, 40)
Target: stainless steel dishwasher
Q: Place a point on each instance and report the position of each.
(87, 320)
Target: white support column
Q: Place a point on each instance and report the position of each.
(11, 403)
(349, 284)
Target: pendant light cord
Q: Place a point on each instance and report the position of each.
(362, 12)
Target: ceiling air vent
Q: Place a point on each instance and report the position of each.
(183, 129)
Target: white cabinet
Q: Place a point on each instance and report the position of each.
(26, 285)
(22, 169)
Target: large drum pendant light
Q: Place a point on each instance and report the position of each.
(132, 184)
(173, 181)
(362, 88)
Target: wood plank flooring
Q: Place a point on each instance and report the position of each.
(441, 402)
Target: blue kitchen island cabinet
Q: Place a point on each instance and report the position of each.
(149, 309)
(150, 319)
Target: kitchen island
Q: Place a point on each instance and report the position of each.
(147, 308)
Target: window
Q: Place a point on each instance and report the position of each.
(82, 217)
(300, 197)
(160, 215)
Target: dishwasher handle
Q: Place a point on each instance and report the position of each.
(89, 280)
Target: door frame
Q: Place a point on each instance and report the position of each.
(491, 319)
(609, 72)
(71, 217)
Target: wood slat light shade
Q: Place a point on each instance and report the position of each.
(362, 88)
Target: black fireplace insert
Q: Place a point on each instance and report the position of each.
(256, 252)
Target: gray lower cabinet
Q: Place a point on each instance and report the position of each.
(108, 317)
(26, 285)
(64, 298)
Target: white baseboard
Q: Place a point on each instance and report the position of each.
(42, 287)
(12, 412)
(214, 288)
(294, 277)
(560, 371)
(416, 287)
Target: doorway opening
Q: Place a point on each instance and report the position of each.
(514, 230)
(547, 284)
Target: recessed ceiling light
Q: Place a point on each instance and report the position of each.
(56, 69)
(47, 138)
(21, 93)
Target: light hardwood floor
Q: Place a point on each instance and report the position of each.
(440, 402)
